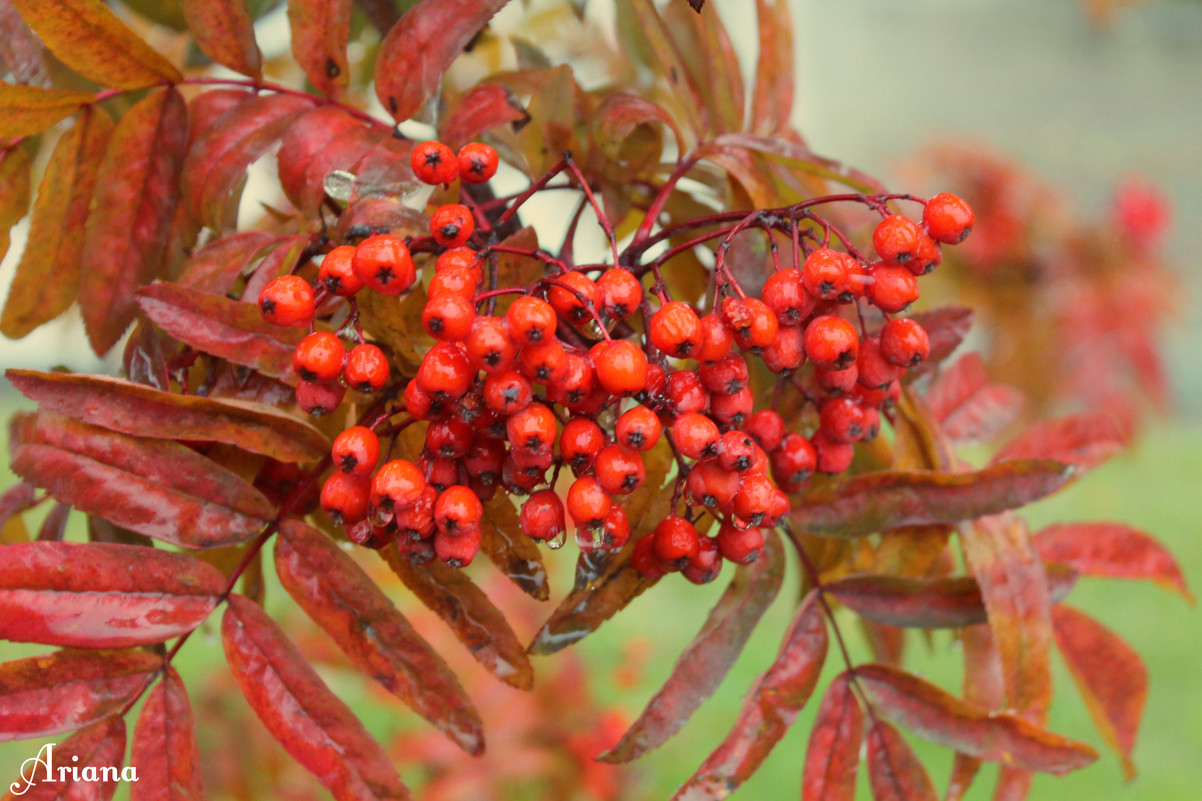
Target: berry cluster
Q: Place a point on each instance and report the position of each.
(566, 376)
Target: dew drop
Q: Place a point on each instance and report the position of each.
(557, 542)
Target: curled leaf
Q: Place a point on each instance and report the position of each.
(482, 108)
(627, 129)
(1113, 550)
(164, 748)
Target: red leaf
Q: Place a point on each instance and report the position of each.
(100, 745)
(1082, 440)
(320, 30)
(705, 48)
(983, 687)
(22, 54)
(136, 193)
(15, 500)
(323, 139)
(384, 173)
(1110, 675)
(29, 110)
(420, 47)
(14, 191)
(1015, 589)
(144, 411)
(946, 327)
(216, 266)
(514, 554)
(770, 709)
(482, 108)
(280, 259)
(63, 691)
(772, 101)
(862, 504)
(218, 159)
(87, 37)
(627, 128)
(893, 769)
(91, 595)
(479, 625)
(225, 33)
(164, 749)
(709, 657)
(230, 329)
(340, 598)
(1113, 550)
(941, 718)
(833, 755)
(967, 406)
(801, 157)
(209, 106)
(158, 488)
(48, 274)
(315, 727)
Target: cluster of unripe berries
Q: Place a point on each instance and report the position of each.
(513, 398)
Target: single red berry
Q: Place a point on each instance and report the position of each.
(516, 480)
(696, 436)
(383, 263)
(739, 545)
(459, 282)
(543, 362)
(457, 511)
(893, 288)
(366, 368)
(872, 425)
(705, 565)
(579, 443)
(904, 342)
(574, 295)
(793, 461)
(837, 382)
(483, 459)
(532, 429)
(531, 320)
(831, 343)
(948, 218)
(445, 371)
(725, 377)
(434, 163)
(369, 535)
(488, 344)
(461, 258)
(477, 163)
(449, 438)
(588, 502)
(457, 550)
(417, 521)
(858, 279)
(615, 531)
(440, 473)
(336, 273)
(451, 225)
(287, 301)
(638, 429)
(761, 327)
(875, 372)
(656, 388)
(755, 499)
(716, 339)
(766, 427)
(507, 391)
(927, 257)
(710, 485)
(685, 392)
(733, 409)
(833, 457)
(620, 293)
(786, 295)
(841, 420)
(621, 367)
(356, 451)
(787, 352)
(676, 541)
(575, 383)
(896, 239)
(824, 273)
(645, 561)
(319, 399)
(418, 552)
(738, 452)
(619, 470)
(675, 329)
(448, 317)
(397, 485)
(344, 498)
(319, 357)
(542, 516)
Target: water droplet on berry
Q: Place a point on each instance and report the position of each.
(557, 542)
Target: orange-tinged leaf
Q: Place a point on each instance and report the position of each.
(801, 157)
(225, 33)
(1113, 550)
(216, 266)
(136, 194)
(320, 31)
(643, 34)
(704, 46)
(771, 707)
(231, 329)
(1110, 675)
(315, 727)
(144, 411)
(967, 406)
(833, 754)
(627, 129)
(944, 719)
(14, 191)
(155, 487)
(772, 100)
(482, 108)
(48, 273)
(69, 689)
(90, 39)
(101, 744)
(471, 616)
(421, 46)
(857, 505)
(164, 748)
(218, 159)
(93, 595)
(893, 768)
(28, 110)
(341, 152)
(514, 554)
(1014, 586)
(365, 624)
(709, 657)
(1083, 440)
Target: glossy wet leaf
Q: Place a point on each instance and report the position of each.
(940, 717)
(1112, 550)
(769, 710)
(90, 39)
(471, 616)
(69, 689)
(833, 753)
(28, 110)
(969, 407)
(320, 30)
(708, 658)
(164, 748)
(1110, 676)
(14, 191)
(230, 329)
(853, 506)
(48, 274)
(421, 46)
(135, 409)
(1083, 440)
(342, 151)
(136, 193)
(517, 556)
(92, 595)
(341, 598)
(301, 146)
(224, 31)
(314, 726)
(482, 108)
(155, 487)
(894, 770)
(101, 744)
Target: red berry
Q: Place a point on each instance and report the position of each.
(461, 258)
(488, 345)
(620, 293)
(448, 317)
(287, 301)
(787, 297)
(366, 368)
(457, 281)
(896, 239)
(705, 565)
(532, 429)
(675, 329)
(716, 339)
(833, 457)
(574, 295)
(383, 263)
(449, 439)
(368, 535)
(483, 459)
(336, 273)
(543, 362)
(542, 516)
(344, 498)
(615, 531)
(588, 502)
(837, 382)
(732, 409)
(356, 450)
(319, 357)
(904, 342)
(893, 288)
(477, 163)
(445, 371)
(738, 452)
(739, 545)
(575, 382)
(696, 436)
(638, 429)
(619, 470)
(319, 399)
(948, 218)
(761, 327)
(831, 343)
(755, 499)
(417, 521)
(621, 367)
(824, 273)
(725, 377)
(787, 351)
(766, 427)
(685, 393)
(793, 461)
(676, 541)
(457, 550)
(841, 420)
(711, 485)
(579, 443)
(507, 391)
(451, 225)
(531, 320)
(397, 485)
(645, 561)
(457, 511)
(875, 372)
(434, 163)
